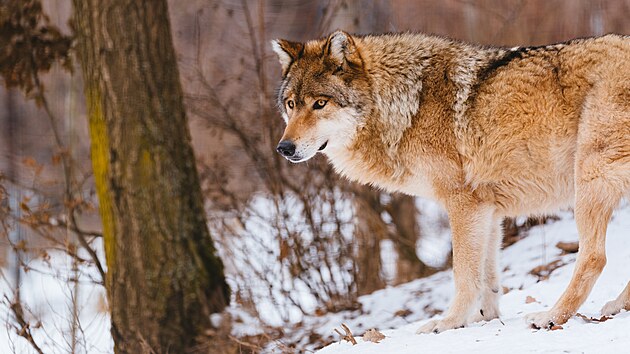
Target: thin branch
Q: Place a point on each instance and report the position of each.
(86, 246)
(24, 329)
(66, 165)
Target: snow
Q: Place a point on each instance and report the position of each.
(47, 297)
(424, 297)
(396, 311)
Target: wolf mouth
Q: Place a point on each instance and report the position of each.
(323, 146)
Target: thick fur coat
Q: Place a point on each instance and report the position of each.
(487, 132)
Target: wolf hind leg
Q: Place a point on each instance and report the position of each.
(618, 152)
(602, 177)
(592, 213)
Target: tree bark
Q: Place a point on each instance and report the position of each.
(403, 211)
(164, 277)
(370, 230)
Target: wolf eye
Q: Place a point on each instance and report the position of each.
(319, 104)
(290, 104)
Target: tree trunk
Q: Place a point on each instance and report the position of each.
(403, 212)
(370, 230)
(164, 278)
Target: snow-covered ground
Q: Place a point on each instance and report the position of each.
(398, 311)
(395, 311)
(47, 296)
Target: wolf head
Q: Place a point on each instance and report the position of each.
(324, 96)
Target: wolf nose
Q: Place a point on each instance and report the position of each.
(286, 148)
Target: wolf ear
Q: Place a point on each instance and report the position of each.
(342, 49)
(287, 52)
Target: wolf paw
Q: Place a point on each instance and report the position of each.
(612, 308)
(485, 314)
(439, 326)
(545, 319)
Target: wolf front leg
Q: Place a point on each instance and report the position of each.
(491, 290)
(471, 226)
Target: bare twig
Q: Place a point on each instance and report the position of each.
(347, 336)
(24, 328)
(245, 344)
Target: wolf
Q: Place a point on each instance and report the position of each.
(488, 132)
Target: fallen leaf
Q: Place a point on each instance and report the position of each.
(556, 327)
(529, 299)
(373, 335)
(587, 319)
(402, 313)
(593, 319)
(431, 311)
(568, 247)
(544, 271)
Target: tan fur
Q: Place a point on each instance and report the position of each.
(487, 132)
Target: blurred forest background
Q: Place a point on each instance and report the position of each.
(297, 241)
